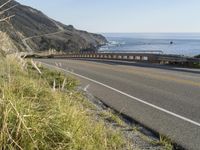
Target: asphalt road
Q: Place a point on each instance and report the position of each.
(164, 99)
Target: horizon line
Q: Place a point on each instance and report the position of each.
(149, 32)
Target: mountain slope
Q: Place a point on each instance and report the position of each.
(42, 33)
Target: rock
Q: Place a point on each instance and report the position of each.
(46, 32)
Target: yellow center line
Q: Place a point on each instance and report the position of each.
(135, 71)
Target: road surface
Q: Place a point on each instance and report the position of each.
(167, 100)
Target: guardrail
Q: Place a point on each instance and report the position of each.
(134, 51)
(113, 56)
(141, 57)
(138, 57)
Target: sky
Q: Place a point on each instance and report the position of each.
(123, 16)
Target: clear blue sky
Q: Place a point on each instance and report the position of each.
(124, 15)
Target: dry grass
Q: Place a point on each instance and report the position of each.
(33, 116)
(6, 44)
(111, 116)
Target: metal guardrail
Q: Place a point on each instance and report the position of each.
(139, 57)
(113, 56)
(134, 51)
(142, 57)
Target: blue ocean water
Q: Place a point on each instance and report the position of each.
(187, 44)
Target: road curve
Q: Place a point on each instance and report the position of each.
(164, 99)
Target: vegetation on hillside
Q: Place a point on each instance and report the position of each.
(29, 22)
(198, 56)
(43, 111)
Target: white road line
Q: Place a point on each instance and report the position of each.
(86, 88)
(130, 96)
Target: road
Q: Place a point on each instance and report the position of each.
(60, 30)
(166, 100)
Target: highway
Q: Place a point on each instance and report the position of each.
(165, 99)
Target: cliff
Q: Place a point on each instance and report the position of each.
(30, 29)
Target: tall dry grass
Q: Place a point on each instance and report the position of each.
(6, 44)
(33, 116)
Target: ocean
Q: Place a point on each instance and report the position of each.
(187, 44)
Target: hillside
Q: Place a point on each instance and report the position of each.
(46, 32)
(198, 56)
